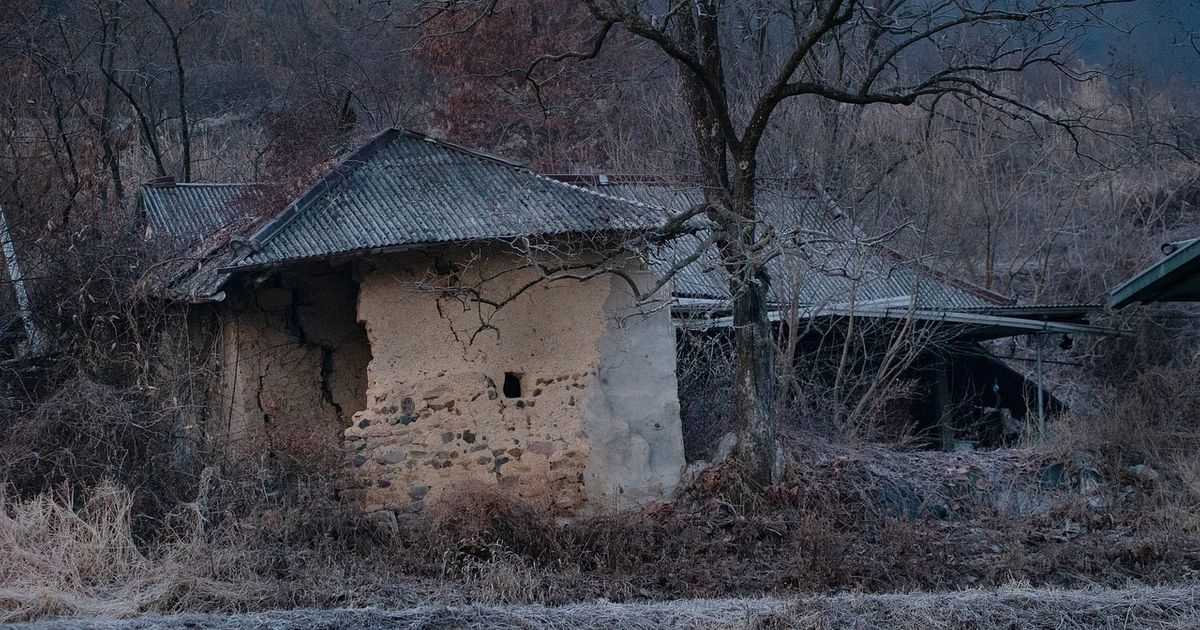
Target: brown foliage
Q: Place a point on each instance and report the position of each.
(494, 96)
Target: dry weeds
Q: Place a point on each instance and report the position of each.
(862, 519)
(59, 558)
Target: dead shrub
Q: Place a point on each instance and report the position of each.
(85, 432)
(1147, 436)
(852, 382)
(474, 519)
(497, 575)
(229, 549)
(501, 549)
(1157, 411)
(861, 519)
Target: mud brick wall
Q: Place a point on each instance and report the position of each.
(292, 365)
(565, 396)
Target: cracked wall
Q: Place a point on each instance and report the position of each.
(595, 427)
(293, 364)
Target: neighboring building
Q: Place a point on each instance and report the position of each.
(831, 281)
(1175, 278)
(391, 313)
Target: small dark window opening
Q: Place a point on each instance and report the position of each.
(512, 385)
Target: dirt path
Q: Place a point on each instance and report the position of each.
(1143, 607)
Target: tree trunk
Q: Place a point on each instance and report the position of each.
(181, 89)
(732, 202)
(109, 157)
(185, 127)
(754, 387)
(37, 342)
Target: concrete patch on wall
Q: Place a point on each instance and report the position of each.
(563, 396)
(631, 419)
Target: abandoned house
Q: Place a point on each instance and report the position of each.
(398, 312)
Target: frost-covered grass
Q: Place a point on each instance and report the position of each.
(1006, 608)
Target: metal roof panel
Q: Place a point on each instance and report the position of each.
(402, 188)
(823, 257)
(188, 211)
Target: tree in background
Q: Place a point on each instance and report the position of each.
(487, 99)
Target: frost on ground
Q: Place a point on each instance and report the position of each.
(1013, 607)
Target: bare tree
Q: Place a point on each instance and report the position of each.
(740, 63)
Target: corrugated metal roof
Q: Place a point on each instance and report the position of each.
(185, 212)
(403, 188)
(191, 226)
(821, 256)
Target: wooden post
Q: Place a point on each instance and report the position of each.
(944, 407)
(1041, 404)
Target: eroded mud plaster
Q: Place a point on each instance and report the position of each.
(593, 427)
(292, 365)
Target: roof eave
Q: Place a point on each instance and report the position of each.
(987, 326)
(400, 248)
(1147, 286)
(1049, 312)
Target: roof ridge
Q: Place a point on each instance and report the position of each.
(197, 184)
(968, 287)
(490, 157)
(825, 203)
(347, 165)
(154, 184)
(460, 148)
(600, 179)
(995, 297)
(592, 191)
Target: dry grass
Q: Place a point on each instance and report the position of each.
(59, 558)
(848, 518)
(862, 519)
(1152, 420)
(859, 518)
